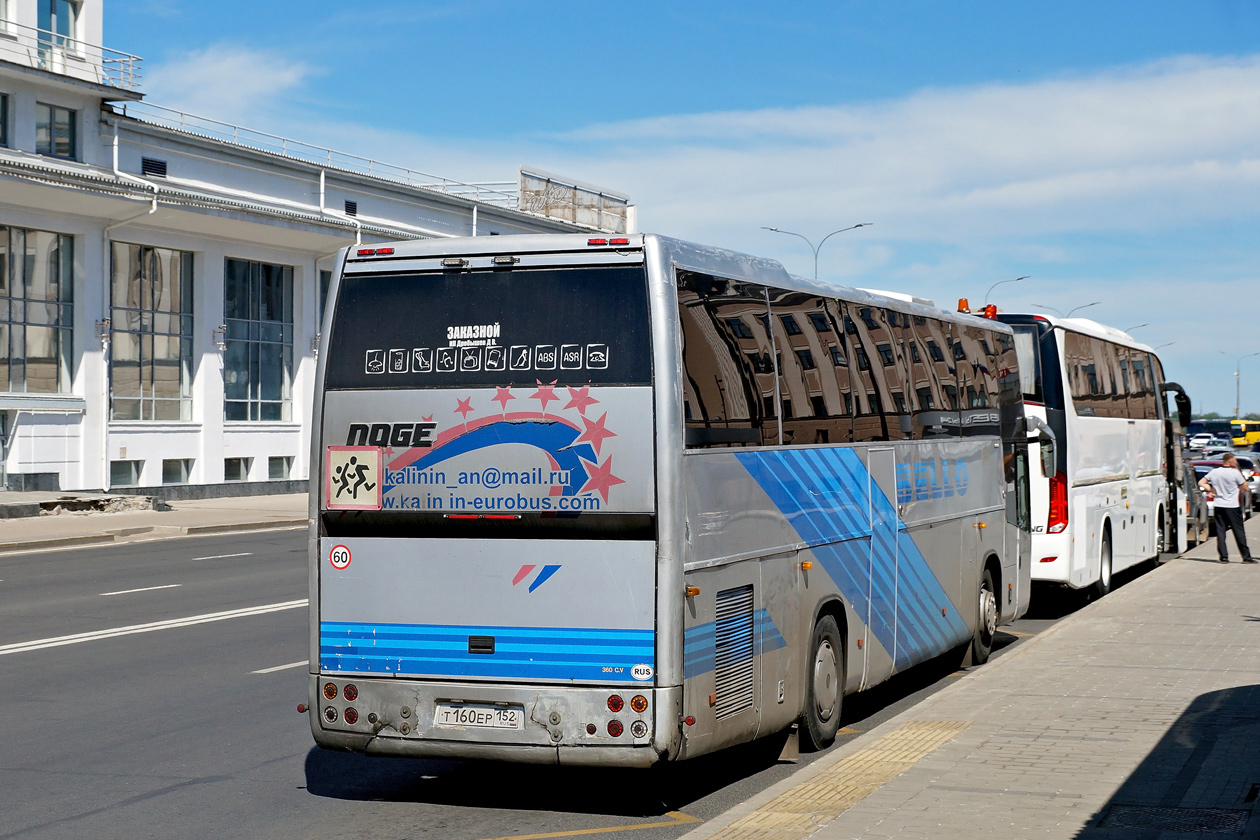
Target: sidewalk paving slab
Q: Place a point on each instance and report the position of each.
(1136, 717)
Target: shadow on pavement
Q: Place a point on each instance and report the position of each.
(1203, 777)
(577, 790)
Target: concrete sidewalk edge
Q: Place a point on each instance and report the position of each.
(162, 532)
(721, 821)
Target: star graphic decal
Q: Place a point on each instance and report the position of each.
(581, 399)
(428, 419)
(600, 478)
(464, 408)
(501, 396)
(545, 394)
(595, 432)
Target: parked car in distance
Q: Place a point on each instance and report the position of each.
(1251, 469)
(1217, 448)
(1202, 468)
(1201, 440)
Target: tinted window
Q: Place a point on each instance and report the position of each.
(728, 363)
(460, 329)
(814, 406)
(935, 391)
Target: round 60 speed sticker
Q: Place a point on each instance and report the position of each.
(339, 557)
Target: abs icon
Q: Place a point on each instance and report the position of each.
(339, 557)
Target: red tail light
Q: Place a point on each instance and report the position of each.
(1058, 519)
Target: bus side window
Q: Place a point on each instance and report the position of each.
(1011, 395)
(1142, 395)
(1078, 358)
(726, 353)
(936, 413)
(976, 368)
(813, 404)
(1113, 396)
(870, 422)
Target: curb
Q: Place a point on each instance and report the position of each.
(804, 774)
(190, 530)
(56, 542)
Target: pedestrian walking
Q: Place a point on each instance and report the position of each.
(1227, 483)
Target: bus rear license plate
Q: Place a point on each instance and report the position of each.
(484, 717)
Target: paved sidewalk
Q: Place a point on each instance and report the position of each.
(200, 516)
(1136, 717)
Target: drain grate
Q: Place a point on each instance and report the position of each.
(1202, 820)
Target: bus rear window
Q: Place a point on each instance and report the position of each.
(460, 329)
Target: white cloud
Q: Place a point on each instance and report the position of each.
(230, 83)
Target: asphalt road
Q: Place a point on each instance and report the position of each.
(189, 729)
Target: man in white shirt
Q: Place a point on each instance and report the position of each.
(1227, 482)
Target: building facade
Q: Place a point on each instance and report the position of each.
(162, 275)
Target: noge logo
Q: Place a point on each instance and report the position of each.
(541, 578)
(384, 434)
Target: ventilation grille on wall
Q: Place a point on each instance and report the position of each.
(352, 208)
(733, 657)
(153, 167)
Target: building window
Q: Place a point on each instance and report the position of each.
(806, 359)
(124, 473)
(278, 468)
(790, 325)
(151, 323)
(55, 131)
(36, 311)
(738, 328)
(885, 354)
(236, 469)
(60, 18)
(819, 320)
(4, 105)
(176, 470)
(258, 367)
(837, 356)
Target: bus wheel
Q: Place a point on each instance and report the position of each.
(986, 622)
(825, 692)
(1103, 586)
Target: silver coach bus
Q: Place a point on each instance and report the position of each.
(617, 501)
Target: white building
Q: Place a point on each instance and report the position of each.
(161, 274)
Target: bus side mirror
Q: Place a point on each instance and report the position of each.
(1184, 414)
(1048, 443)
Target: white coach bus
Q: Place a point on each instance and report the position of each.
(1115, 498)
(618, 501)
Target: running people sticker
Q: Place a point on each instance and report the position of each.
(352, 478)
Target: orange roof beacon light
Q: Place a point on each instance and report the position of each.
(990, 312)
(964, 306)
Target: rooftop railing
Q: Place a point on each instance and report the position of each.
(56, 53)
(498, 193)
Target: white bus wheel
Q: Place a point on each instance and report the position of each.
(824, 694)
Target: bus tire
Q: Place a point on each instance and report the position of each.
(986, 621)
(1103, 586)
(824, 691)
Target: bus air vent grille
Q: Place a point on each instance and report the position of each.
(733, 656)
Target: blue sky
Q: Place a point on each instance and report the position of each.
(1109, 150)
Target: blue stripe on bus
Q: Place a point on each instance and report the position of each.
(524, 653)
(830, 499)
(700, 643)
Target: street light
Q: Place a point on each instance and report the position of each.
(999, 283)
(1165, 344)
(820, 244)
(1238, 379)
(1135, 327)
(1070, 311)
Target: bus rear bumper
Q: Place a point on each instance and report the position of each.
(398, 717)
(1051, 558)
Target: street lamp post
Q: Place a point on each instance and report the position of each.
(1070, 311)
(1135, 327)
(1165, 344)
(999, 283)
(1238, 380)
(820, 244)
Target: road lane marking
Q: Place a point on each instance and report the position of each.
(282, 667)
(58, 641)
(678, 818)
(145, 589)
(223, 556)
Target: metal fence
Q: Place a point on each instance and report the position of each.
(56, 53)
